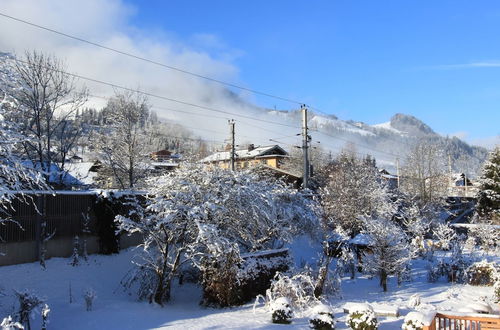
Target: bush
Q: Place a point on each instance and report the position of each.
(322, 318)
(89, 297)
(361, 317)
(29, 302)
(482, 273)
(414, 301)
(413, 321)
(496, 291)
(281, 311)
(9, 324)
(298, 289)
(235, 281)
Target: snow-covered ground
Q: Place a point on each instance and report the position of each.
(116, 309)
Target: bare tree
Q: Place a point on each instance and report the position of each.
(123, 144)
(423, 174)
(47, 98)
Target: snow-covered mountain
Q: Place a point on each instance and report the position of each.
(387, 141)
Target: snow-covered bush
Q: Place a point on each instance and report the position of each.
(445, 235)
(414, 321)
(298, 289)
(9, 324)
(89, 296)
(496, 291)
(322, 318)
(414, 301)
(28, 303)
(281, 311)
(482, 273)
(361, 317)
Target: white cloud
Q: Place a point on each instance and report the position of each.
(472, 65)
(461, 135)
(488, 142)
(108, 22)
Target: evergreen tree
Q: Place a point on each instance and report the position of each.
(488, 198)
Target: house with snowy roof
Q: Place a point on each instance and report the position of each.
(272, 156)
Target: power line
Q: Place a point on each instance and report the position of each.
(197, 105)
(165, 66)
(121, 52)
(161, 97)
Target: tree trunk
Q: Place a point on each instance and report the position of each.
(323, 275)
(383, 279)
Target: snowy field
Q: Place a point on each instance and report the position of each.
(116, 309)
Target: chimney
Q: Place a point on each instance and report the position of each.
(251, 147)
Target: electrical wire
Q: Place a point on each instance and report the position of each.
(121, 52)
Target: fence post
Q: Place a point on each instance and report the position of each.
(40, 206)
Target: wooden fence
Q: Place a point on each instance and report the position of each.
(460, 322)
(62, 213)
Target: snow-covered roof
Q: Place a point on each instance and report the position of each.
(258, 152)
(164, 164)
(81, 172)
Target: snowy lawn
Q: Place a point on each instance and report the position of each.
(115, 309)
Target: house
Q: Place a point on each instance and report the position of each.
(251, 156)
(390, 180)
(161, 155)
(460, 185)
(164, 160)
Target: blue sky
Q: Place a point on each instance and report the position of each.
(360, 60)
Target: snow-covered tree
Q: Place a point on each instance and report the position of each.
(44, 99)
(123, 144)
(488, 198)
(389, 249)
(353, 191)
(251, 213)
(15, 176)
(445, 235)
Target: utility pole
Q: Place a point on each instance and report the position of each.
(397, 170)
(450, 176)
(231, 127)
(305, 146)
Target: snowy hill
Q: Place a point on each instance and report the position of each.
(386, 141)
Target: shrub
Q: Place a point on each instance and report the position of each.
(414, 301)
(496, 291)
(234, 281)
(281, 311)
(28, 303)
(89, 297)
(9, 324)
(322, 318)
(361, 317)
(413, 321)
(298, 289)
(482, 273)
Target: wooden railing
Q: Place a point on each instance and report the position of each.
(459, 322)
